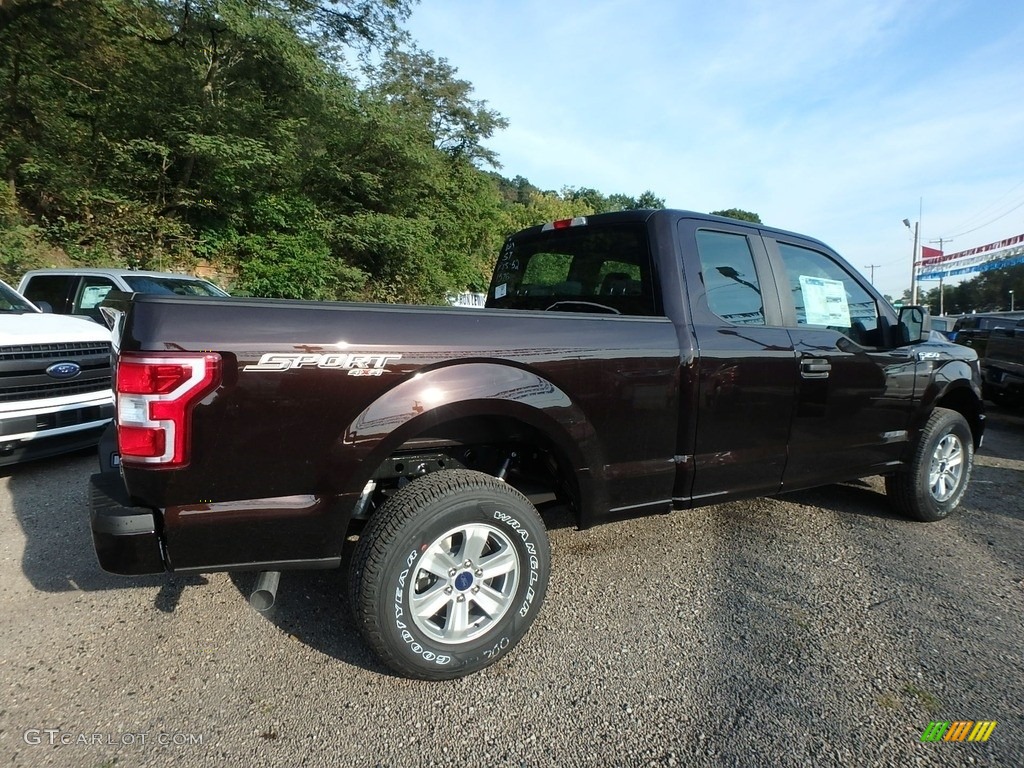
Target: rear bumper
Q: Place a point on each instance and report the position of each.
(1001, 386)
(125, 537)
(1002, 378)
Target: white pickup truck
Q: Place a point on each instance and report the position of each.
(80, 291)
(55, 393)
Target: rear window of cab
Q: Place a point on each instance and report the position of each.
(577, 268)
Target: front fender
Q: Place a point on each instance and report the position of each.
(949, 375)
(953, 384)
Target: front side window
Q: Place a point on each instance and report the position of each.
(53, 289)
(92, 293)
(730, 280)
(826, 295)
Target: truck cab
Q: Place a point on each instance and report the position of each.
(794, 370)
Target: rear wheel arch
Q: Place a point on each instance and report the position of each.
(566, 437)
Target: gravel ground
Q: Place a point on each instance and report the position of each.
(815, 630)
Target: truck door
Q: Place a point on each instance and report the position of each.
(745, 371)
(855, 392)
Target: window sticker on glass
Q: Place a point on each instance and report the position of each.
(500, 291)
(825, 301)
(92, 295)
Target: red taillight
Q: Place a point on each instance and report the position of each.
(150, 378)
(141, 442)
(155, 397)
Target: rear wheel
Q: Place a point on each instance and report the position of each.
(936, 479)
(449, 574)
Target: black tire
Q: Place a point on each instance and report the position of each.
(449, 574)
(936, 478)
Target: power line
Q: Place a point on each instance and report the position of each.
(991, 221)
(985, 210)
(990, 206)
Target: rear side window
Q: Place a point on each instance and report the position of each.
(730, 280)
(584, 268)
(991, 323)
(53, 289)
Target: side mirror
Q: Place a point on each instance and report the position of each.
(915, 325)
(44, 306)
(113, 308)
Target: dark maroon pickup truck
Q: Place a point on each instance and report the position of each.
(626, 364)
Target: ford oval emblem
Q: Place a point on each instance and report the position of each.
(65, 370)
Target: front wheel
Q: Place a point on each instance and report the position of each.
(936, 479)
(449, 574)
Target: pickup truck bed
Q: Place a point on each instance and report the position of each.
(287, 438)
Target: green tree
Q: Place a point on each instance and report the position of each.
(254, 134)
(598, 202)
(738, 213)
(539, 208)
(417, 83)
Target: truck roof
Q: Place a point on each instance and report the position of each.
(645, 214)
(118, 271)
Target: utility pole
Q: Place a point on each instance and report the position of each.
(942, 293)
(913, 261)
(872, 268)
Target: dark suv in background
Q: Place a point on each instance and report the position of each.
(973, 330)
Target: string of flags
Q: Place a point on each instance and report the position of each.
(935, 265)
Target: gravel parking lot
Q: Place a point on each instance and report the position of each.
(814, 630)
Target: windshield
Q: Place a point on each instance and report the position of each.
(182, 286)
(577, 269)
(11, 301)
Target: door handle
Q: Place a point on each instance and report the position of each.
(815, 368)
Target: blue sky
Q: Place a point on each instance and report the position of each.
(835, 119)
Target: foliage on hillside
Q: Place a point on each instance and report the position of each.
(306, 149)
